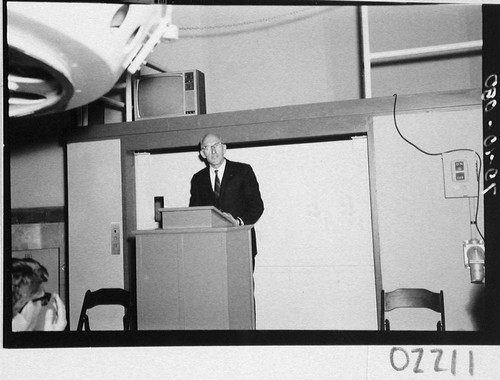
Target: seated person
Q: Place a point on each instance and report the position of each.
(33, 309)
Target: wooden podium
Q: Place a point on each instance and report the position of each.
(195, 273)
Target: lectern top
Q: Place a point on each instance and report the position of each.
(194, 217)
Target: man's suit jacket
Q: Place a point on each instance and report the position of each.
(239, 194)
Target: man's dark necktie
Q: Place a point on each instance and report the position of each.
(217, 185)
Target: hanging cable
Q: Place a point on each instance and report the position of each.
(245, 26)
(263, 20)
(478, 166)
(478, 194)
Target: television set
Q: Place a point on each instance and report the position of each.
(169, 94)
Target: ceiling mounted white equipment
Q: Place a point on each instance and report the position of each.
(65, 55)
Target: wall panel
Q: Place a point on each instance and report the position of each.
(314, 238)
(94, 202)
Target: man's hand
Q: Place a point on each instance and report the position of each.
(58, 321)
(231, 218)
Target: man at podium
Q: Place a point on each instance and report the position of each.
(230, 186)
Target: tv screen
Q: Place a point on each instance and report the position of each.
(169, 94)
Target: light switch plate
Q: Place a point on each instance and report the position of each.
(459, 174)
(115, 238)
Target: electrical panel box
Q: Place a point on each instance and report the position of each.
(460, 174)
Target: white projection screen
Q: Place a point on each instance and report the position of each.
(314, 269)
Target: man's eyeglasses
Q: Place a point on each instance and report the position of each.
(207, 148)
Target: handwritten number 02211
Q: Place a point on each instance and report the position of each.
(490, 141)
(403, 360)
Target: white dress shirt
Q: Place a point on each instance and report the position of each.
(220, 173)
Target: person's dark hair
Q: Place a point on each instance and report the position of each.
(27, 278)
